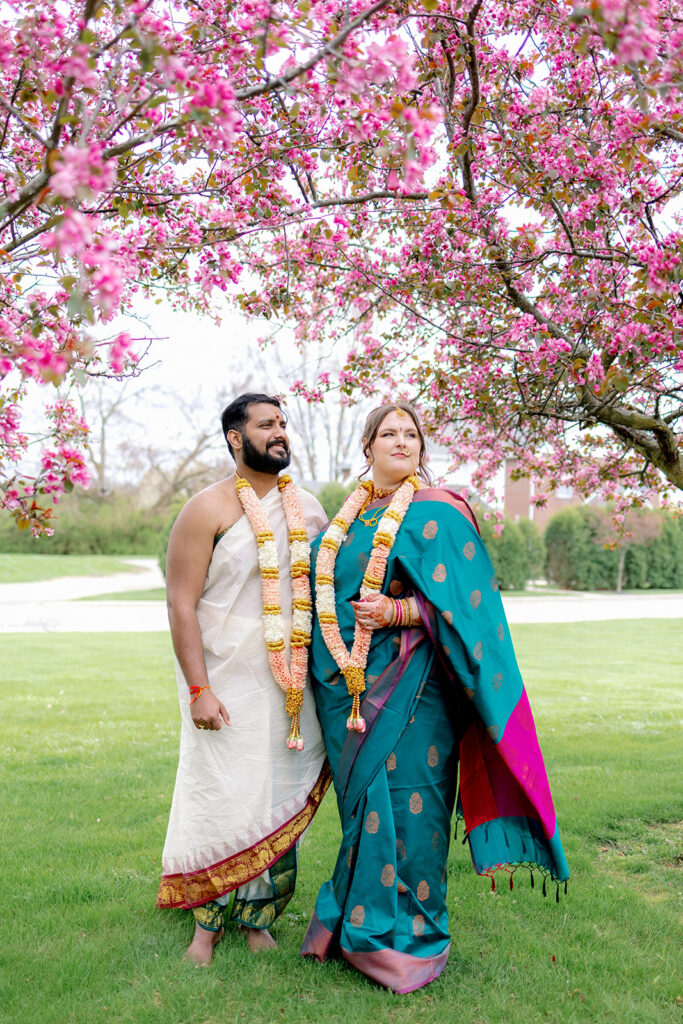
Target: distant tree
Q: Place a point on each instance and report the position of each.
(638, 528)
(325, 426)
(333, 495)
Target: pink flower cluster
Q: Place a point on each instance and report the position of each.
(392, 59)
(41, 359)
(62, 467)
(119, 352)
(80, 172)
(105, 263)
(12, 441)
(215, 97)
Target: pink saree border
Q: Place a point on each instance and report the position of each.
(399, 972)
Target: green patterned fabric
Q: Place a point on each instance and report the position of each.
(254, 913)
(261, 913)
(446, 694)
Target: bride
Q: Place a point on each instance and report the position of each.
(414, 675)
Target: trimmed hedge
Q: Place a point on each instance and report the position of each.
(510, 552)
(578, 559)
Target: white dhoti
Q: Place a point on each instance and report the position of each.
(242, 798)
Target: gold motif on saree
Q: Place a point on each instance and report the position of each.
(372, 823)
(430, 529)
(388, 875)
(357, 916)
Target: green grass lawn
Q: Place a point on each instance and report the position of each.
(88, 748)
(31, 568)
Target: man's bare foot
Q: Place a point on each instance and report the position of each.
(258, 939)
(200, 950)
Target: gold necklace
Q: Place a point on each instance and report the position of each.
(375, 494)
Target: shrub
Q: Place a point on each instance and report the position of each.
(85, 527)
(508, 553)
(578, 559)
(333, 495)
(665, 556)
(535, 547)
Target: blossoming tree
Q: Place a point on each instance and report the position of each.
(138, 142)
(530, 293)
(483, 192)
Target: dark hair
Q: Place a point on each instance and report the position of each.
(374, 422)
(235, 415)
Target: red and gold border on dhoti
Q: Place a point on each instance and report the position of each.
(192, 889)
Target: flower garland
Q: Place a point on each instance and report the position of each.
(290, 678)
(353, 663)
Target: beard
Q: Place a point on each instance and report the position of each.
(264, 462)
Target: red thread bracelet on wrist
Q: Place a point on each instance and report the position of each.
(196, 691)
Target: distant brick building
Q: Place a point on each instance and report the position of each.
(518, 495)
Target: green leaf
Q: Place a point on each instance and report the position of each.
(74, 306)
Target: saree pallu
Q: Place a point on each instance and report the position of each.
(447, 691)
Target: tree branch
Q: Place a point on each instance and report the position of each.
(329, 49)
(11, 109)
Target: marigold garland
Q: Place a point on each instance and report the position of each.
(290, 678)
(353, 663)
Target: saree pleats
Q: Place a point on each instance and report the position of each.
(385, 908)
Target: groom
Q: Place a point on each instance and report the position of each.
(242, 799)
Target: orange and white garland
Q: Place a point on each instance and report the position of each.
(290, 678)
(353, 663)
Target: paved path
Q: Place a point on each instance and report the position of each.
(51, 606)
(591, 607)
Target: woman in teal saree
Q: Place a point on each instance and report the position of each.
(443, 692)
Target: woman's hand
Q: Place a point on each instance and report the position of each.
(208, 712)
(374, 612)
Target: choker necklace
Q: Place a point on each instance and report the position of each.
(375, 494)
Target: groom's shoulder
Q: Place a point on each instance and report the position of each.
(214, 507)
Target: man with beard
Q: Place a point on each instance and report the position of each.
(243, 796)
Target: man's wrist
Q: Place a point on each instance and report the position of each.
(196, 691)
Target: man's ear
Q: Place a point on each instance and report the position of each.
(235, 439)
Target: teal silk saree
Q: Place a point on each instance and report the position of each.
(447, 694)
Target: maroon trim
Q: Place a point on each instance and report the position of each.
(317, 940)
(398, 971)
(448, 497)
(322, 781)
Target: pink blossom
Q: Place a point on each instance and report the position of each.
(118, 352)
(80, 172)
